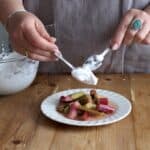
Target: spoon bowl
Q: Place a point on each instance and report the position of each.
(95, 61)
(82, 74)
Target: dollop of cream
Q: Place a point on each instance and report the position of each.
(84, 75)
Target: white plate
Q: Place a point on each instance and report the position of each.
(48, 107)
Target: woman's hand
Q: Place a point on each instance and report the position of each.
(28, 35)
(126, 35)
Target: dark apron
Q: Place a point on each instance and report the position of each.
(84, 27)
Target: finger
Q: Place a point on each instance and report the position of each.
(43, 53)
(122, 28)
(147, 39)
(129, 36)
(26, 52)
(35, 50)
(39, 57)
(21, 45)
(131, 33)
(141, 35)
(36, 40)
(53, 39)
(42, 31)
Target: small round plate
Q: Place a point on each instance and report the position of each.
(48, 108)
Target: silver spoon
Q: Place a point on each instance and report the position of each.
(95, 61)
(81, 74)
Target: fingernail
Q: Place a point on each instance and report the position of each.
(53, 39)
(57, 50)
(57, 53)
(115, 46)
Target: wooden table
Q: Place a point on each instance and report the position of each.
(23, 127)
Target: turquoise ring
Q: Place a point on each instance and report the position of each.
(136, 24)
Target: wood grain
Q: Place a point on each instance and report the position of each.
(141, 110)
(23, 127)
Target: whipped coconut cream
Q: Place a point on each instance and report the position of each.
(17, 75)
(84, 75)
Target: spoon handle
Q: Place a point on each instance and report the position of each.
(105, 52)
(60, 56)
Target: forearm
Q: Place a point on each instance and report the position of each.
(7, 7)
(147, 9)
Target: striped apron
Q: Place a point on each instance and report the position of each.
(85, 27)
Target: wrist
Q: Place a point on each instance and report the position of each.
(10, 15)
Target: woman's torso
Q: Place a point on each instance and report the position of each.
(84, 27)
